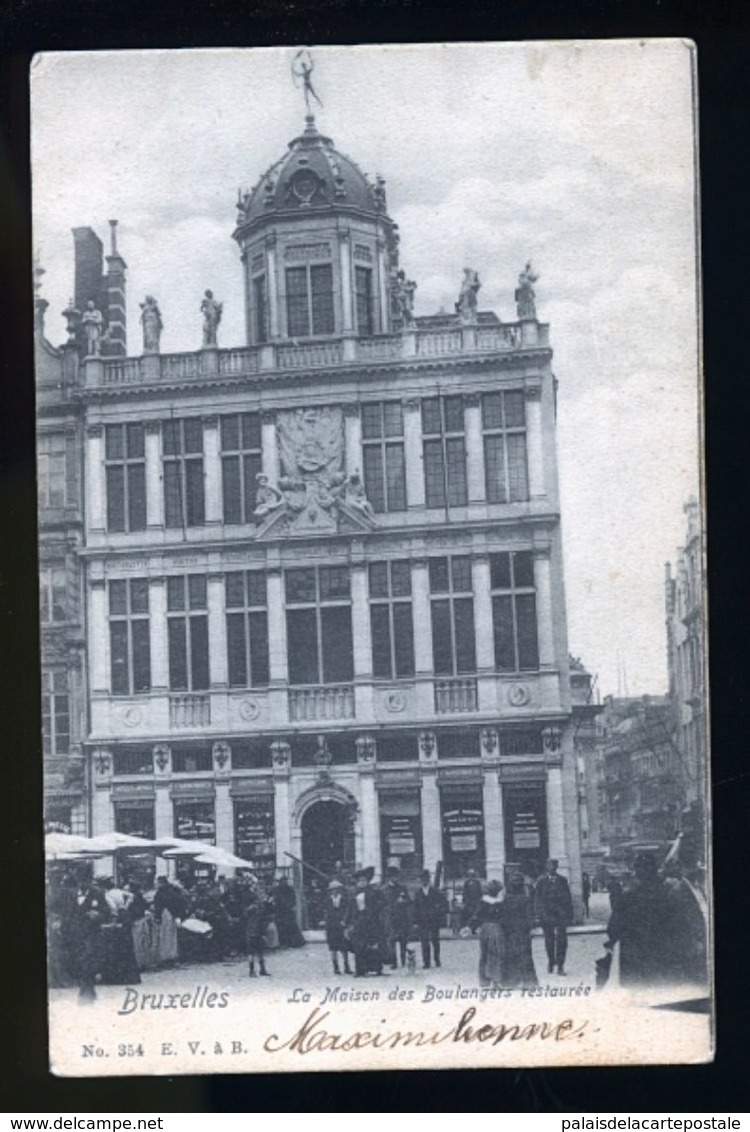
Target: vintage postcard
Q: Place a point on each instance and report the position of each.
(369, 413)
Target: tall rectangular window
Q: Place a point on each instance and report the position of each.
(444, 450)
(184, 500)
(53, 594)
(247, 628)
(319, 625)
(391, 619)
(260, 297)
(187, 633)
(309, 300)
(452, 611)
(129, 644)
(52, 471)
(125, 464)
(505, 466)
(514, 611)
(55, 713)
(364, 300)
(241, 461)
(383, 455)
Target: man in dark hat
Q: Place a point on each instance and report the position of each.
(554, 907)
(429, 914)
(337, 911)
(365, 925)
(393, 920)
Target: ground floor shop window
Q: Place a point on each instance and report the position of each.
(525, 814)
(401, 835)
(463, 831)
(255, 834)
(58, 819)
(195, 821)
(135, 819)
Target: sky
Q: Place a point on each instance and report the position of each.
(576, 155)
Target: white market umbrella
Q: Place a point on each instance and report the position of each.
(61, 845)
(114, 842)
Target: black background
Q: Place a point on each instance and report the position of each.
(720, 29)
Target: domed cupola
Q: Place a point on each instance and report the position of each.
(319, 250)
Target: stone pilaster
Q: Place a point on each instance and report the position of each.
(98, 636)
(535, 442)
(212, 469)
(413, 454)
(95, 479)
(154, 494)
(543, 586)
(474, 449)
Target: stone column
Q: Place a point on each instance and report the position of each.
(474, 449)
(420, 597)
(276, 627)
(272, 284)
(361, 634)
(212, 469)
(368, 799)
(483, 628)
(99, 674)
(95, 485)
(222, 758)
(492, 798)
(555, 816)
(413, 454)
(154, 493)
(163, 808)
(345, 260)
(282, 757)
(269, 445)
(353, 429)
(157, 616)
(385, 321)
(543, 588)
(535, 442)
(102, 816)
(432, 832)
(217, 632)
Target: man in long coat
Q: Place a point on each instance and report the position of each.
(365, 927)
(88, 912)
(429, 915)
(554, 907)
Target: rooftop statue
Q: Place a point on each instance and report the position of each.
(152, 325)
(93, 328)
(211, 318)
(466, 307)
(403, 297)
(525, 295)
(302, 69)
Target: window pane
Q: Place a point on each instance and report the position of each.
(59, 596)
(256, 587)
(138, 595)
(141, 655)
(171, 438)
(374, 486)
(234, 590)
(236, 650)
(173, 516)
(518, 483)
(528, 649)
(403, 634)
(321, 279)
(178, 680)
(230, 467)
(500, 571)
(194, 493)
(259, 674)
(431, 420)
(113, 442)
(199, 653)
(492, 410)
(44, 596)
(453, 408)
(259, 292)
(494, 467)
(461, 574)
(336, 633)
(135, 441)
(116, 498)
(502, 621)
(298, 319)
(251, 430)
(438, 568)
(381, 640)
(523, 568)
(175, 593)
(456, 457)
(396, 477)
(230, 433)
(302, 646)
(442, 647)
(400, 579)
(515, 406)
(371, 422)
(300, 585)
(434, 482)
(118, 597)
(463, 614)
(393, 418)
(252, 466)
(334, 582)
(197, 591)
(378, 577)
(193, 435)
(136, 497)
(363, 289)
(118, 650)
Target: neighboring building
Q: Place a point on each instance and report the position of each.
(587, 759)
(687, 670)
(323, 571)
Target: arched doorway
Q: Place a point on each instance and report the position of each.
(327, 829)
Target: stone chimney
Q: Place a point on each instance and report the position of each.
(114, 297)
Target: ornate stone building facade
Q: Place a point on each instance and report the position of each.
(323, 573)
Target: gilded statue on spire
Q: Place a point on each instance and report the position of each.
(302, 69)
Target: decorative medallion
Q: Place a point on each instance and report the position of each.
(518, 695)
(427, 744)
(395, 700)
(304, 185)
(249, 709)
(132, 716)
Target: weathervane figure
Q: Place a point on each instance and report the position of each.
(302, 69)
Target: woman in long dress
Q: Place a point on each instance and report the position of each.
(517, 921)
(488, 917)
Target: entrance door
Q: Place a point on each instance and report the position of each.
(327, 839)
